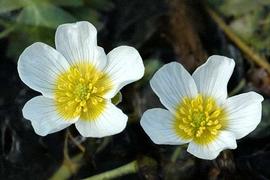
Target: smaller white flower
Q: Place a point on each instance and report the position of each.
(77, 81)
(199, 112)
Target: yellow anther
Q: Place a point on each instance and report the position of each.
(209, 106)
(81, 80)
(87, 76)
(182, 111)
(198, 134)
(76, 71)
(61, 87)
(218, 126)
(95, 78)
(82, 103)
(70, 103)
(77, 99)
(202, 128)
(192, 124)
(99, 99)
(214, 131)
(190, 133)
(94, 101)
(94, 90)
(70, 77)
(78, 109)
(101, 89)
(85, 109)
(90, 85)
(61, 99)
(192, 103)
(181, 127)
(200, 99)
(185, 101)
(209, 123)
(199, 119)
(70, 87)
(88, 96)
(185, 120)
(75, 91)
(216, 113)
(76, 114)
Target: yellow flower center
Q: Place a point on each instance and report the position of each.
(79, 92)
(199, 119)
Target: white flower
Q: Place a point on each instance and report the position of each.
(199, 111)
(77, 81)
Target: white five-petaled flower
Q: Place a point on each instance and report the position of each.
(199, 111)
(77, 81)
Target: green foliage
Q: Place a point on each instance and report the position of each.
(251, 22)
(10, 5)
(151, 66)
(44, 14)
(73, 3)
(28, 21)
(117, 98)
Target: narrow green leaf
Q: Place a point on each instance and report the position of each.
(6, 32)
(10, 5)
(117, 98)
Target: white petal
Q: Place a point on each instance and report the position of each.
(171, 83)
(111, 121)
(244, 113)
(225, 140)
(78, 43)
(158, 125)
(41, 111)
(38, 67)
(213, 76)
(125, 66)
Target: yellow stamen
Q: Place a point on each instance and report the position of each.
(79, 92)
(199, 119)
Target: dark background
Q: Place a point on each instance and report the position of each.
(162, 31)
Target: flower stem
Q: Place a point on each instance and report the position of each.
(129, 168)
(68, 168)
(176, 154)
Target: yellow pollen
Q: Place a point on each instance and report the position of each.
(199, 119)
(79, 92)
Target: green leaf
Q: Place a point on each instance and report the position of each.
(231, 7)
(27, 35)
(117, 98)
(44, 14)
(6, 32)
(73, 3)
(10, 5)
(151, 66)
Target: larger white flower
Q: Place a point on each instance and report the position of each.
(199, 112)
(77, 81)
